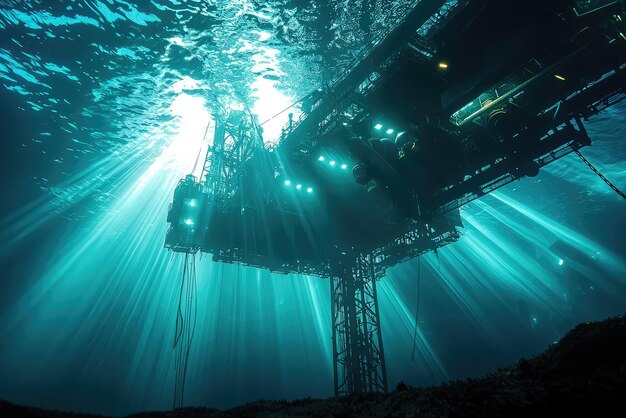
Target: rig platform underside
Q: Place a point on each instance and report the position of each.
(457, 100)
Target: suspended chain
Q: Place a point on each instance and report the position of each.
(595, 170)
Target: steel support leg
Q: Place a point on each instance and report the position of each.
(359, 362)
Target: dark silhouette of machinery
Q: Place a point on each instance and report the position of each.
(459, 99)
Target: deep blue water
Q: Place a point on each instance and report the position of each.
(102, 108)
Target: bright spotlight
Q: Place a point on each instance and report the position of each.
(332, 163)
(188, 222)
(443, 65)
(310, 190)
(561, 261)
(192, 203)
(321, 158)
(389, 131)
(299, 186)
(287, 182)
(378, 126)
(344, 166)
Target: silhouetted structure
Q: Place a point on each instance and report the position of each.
(582, 375)
(459, 99)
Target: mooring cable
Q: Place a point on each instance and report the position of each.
(595, 170)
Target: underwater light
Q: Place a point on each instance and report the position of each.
(332, 163)
(561, 261)
(389, 131)
(443, 65)
(309, 190)
(321, 158)
(378, 126)
(192, 203)
(299, 186)
(559, 77)
(287, 182)
(344, 166)
(188, 222)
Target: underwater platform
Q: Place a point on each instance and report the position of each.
(456, 101)
(446, 108)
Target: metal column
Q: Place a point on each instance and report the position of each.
(359, 361)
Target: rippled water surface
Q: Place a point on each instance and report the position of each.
(103, 108)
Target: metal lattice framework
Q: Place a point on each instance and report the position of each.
(359, 361)
(235, 212)
(235, 139)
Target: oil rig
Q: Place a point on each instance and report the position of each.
(456, 100)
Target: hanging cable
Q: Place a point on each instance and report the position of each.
(287, 108)
(186, 319)
(206, 131)
(417, 308)
(604, 179)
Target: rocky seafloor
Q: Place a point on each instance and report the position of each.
(584, 374)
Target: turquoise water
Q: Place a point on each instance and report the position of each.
(104, 105)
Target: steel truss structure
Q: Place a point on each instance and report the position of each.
(359, 360)
(235, 140)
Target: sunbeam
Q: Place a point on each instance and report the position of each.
(106, 106)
